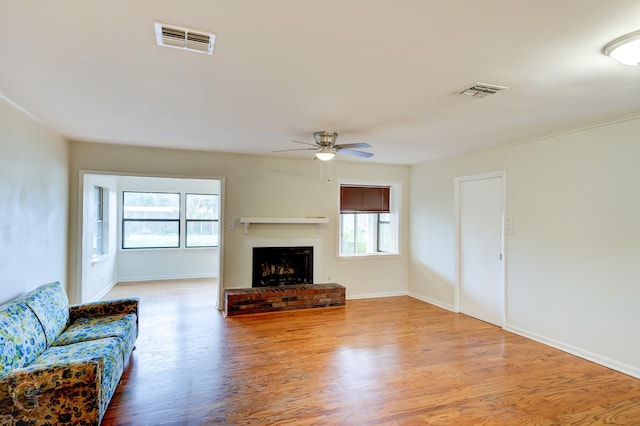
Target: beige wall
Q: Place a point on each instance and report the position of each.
(572, 263)
(33, 203)
(262, 186)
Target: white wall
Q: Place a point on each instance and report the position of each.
(265, 186)
(572, 269)
(33, 203)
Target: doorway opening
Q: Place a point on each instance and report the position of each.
(148, 228)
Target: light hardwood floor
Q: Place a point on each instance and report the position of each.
(377, 361)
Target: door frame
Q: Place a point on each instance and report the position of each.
(457, 183)
(80, 262)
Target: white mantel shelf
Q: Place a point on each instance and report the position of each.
(246, 221)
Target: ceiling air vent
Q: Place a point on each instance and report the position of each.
(480, 90)
(184, 38)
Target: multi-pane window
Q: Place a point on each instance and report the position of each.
(367, 224)
(98, 221)
(150, 220)
(201, 220)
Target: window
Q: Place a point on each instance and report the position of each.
(201, 220)
(150, 220)
(99, 222)
(367, 222)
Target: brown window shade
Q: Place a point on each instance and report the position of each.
(364, 199)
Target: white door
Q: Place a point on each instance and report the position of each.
(480, 248)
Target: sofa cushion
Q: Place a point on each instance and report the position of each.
(51, 306)
(110, 350)
(22, 339)
(92, 328)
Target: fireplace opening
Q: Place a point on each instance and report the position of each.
(278, 266)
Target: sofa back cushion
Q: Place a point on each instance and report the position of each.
(22, 338)
(50, 304)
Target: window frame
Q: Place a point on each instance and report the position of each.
(98, 220)
(375, 222)
(187, 220)
(379, 222)
(125, 220)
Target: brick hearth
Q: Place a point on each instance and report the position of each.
(241, 301)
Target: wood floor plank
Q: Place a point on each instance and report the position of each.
(376, 361)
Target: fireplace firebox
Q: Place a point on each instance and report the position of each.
(279, 266)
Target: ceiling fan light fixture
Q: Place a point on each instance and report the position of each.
(326, 153)
(625, 49)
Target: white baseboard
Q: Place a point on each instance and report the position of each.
(434, 302)
(376, 295)
(589, 356)
(103, 292)
(162, 277)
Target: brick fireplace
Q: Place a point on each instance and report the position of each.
(242, 301)
(284, 293)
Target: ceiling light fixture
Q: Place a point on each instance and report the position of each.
(625, 49)
(326, 153)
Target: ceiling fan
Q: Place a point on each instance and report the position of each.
(326, 147)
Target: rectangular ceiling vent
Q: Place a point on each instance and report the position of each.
(184, 38)
(480, 90)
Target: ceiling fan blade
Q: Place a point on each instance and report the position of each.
(306, 143)
(353, 145)
(295, 149)
(358, 153)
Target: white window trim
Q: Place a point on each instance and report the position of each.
(96, 258)
(394, 204)
(101, 258)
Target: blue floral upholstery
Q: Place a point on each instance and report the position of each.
(22, 339)
(51, 306)
(51, 373)
(92, 328)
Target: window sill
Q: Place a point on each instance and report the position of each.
(368, 256)
(152, 249)
(202, 247)
(99, 259)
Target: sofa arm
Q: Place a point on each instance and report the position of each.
(56, 393)
(109, 307)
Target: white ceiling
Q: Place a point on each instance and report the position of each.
(376, 71)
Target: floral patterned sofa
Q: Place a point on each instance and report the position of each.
(60, 364)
